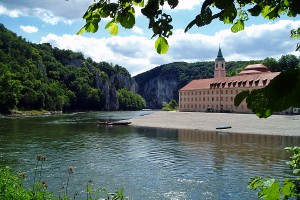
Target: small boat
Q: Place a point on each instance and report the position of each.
(115, 123)
(223, 127)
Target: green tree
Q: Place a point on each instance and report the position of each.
(272, 64)
(129, 100)
(288, 62)
(9, 91)
(172, 105)
(233, 12)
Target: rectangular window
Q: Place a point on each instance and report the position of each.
(221, 98)
(231, 91)
(203, 92)
(217, 98)
(203, 98)
(221, 91)
(200, 93)
(236, 91)
(226, 98)
(212, 99)
(217, 92)
(207, 92)
(231, 98)
(226, 91)
(212, 92)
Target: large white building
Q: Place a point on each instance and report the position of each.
(218, 93)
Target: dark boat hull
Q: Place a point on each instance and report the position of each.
(115, 123)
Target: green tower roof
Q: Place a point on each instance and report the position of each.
(220, 55)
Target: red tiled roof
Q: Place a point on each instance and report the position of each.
(216, 82)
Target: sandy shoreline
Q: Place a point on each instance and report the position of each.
(241, 123)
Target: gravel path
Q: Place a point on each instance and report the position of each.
(240, 123)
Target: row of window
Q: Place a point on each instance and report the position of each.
(204, 106)
(184, 99)
(209, 92)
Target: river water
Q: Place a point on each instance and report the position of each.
(148, 163)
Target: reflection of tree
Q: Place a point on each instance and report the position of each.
(241, 145)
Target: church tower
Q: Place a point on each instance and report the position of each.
(220, 70)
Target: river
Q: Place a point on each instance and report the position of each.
(148, 163)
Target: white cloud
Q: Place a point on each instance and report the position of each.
(131, 52)
(137, 30)
(11, 13)
(29, 29)
(49, 11)
(137, 54)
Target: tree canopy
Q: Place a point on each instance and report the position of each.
(39, 77)
(232, 12)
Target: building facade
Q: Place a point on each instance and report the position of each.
(218, 93)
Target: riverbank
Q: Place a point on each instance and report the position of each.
(288, 125)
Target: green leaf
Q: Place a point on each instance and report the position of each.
(296, 171)
(161, 45)
(221, 4)
(270, 190)
(229, 14)
(113, 28)
(255, 11)
(81, 31)
(91, 27)
(254, 183)
(288, 187)
(173, 3)
(239, 98)
(127, 20)
(237, 26)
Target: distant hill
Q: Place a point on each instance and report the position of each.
(38, 76)
(161, 84)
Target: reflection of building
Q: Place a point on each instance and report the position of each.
(218, 93)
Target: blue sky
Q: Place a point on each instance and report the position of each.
(58, 21)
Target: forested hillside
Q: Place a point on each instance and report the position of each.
(162, 83)
(37, 76)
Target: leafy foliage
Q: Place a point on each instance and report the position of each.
(271, 189)
(172, 105)
(281, 93)
(235, 12)
(13, 187)
(130, 101)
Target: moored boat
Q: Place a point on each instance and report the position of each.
(115, 123)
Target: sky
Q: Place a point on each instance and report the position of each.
(57, 22)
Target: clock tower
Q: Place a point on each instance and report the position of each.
(220, 69)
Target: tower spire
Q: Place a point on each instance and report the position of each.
(220, 69)
(220, 55)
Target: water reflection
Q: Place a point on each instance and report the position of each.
(149, 163)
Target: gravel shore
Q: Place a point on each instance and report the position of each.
(288, 125)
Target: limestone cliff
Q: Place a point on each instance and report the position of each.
(109, 87)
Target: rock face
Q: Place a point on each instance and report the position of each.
(109, 87)
(159, 89)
